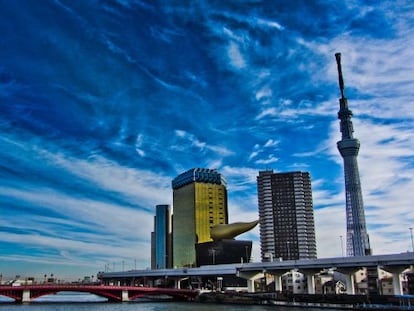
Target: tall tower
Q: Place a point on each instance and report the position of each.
(161, 238)
(287, 227)
(199, 203)
(357, 240)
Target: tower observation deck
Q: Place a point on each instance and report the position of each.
(357, 239)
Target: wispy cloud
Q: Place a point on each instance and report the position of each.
(194, 141)
(101, 106)
(235, 56)
(108, 222)
(270, 159)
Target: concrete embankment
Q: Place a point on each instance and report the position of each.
(340, 302)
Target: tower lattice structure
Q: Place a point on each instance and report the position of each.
(357, 239)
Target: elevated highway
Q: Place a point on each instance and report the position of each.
(393, 263)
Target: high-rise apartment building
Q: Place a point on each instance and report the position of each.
(161, 238)
(357, 239)
(287, 226)
(199, 203)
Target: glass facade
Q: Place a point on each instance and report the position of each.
(162, 237)
(200, 202)
(184, 236)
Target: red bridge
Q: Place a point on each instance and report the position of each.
(27, 293)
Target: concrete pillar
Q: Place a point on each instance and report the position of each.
(349, 278)
(219, 283)
(277, 275)
(396, 277)
(26, 295)
(310, 278)
(125, 295)
(311, 283)
(278, 282)
(396, 283)
(251, 277)
(250, 285)
(350, 283)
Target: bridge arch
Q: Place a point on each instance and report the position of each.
(16, 293)
(108, 295)
(112, 293)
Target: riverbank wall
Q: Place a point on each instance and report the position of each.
(340, 302)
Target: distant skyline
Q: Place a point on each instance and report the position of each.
(103, 103)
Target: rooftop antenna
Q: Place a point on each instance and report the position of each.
(341, 79)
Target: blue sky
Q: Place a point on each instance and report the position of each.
(103, 103)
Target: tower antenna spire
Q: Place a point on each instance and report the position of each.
(341, 79)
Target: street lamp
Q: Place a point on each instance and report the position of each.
(412, 241)
(247, 252)
(342, 246)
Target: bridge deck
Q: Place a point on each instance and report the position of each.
(27, 293)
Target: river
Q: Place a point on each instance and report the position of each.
(88, 302)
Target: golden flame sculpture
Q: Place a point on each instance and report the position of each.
(230, 231)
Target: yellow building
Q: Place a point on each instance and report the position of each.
(199, 203)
